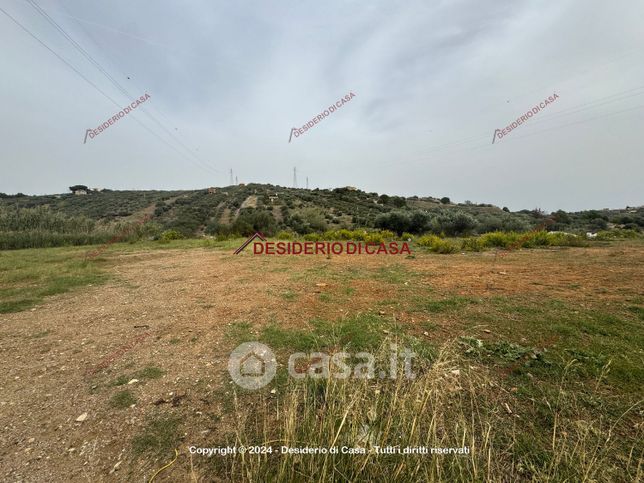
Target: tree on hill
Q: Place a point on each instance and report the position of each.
(78, 187)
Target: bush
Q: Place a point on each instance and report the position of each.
(168, 235)
(498, 239)
(399, 222)
(474, 244)
(437, 244)
(566, 240)
(617, 233)
(285, 235)
(534, 239)
(253, 221)
(395, 221)
(454, 223)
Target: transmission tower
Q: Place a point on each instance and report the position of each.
(307, 182)
(294, 177)
(231, 176)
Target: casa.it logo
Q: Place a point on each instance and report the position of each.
(264, 247)
(252, 365)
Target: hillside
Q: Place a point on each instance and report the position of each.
(245, 208)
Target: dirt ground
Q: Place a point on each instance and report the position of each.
(59, 358)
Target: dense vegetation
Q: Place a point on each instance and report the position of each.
(69, 219)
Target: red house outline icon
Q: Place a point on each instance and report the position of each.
(247, 242)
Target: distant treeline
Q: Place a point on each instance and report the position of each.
(97, 216)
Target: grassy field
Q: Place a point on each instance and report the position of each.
(532, 360)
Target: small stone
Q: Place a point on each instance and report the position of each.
(425, 333)
(81, 418)
(273, 391)
(31, 440)
(116, 467)
(133, 381)
(456, 372)
(487, 331)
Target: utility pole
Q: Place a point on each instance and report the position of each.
(294, 177)
(236, 180)
(231, 176)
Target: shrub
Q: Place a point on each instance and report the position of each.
(474, 244)
(534, 239)
(394, 221)
(497, 239)
(168, 235)
(454, 223)
(379, 236)
(617, 233)
(253, 221)
(566, 240)
(437, 244)
(285, 235)
(407, 236)
(417, 222)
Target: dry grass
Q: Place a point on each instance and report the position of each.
(449, 405)
(575, 407)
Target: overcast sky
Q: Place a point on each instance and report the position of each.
(432, 81)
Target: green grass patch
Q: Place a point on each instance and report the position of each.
(149, 372)
(447, 304)
(160, 436)
(394, 274)
(240, 331)
(27, 277)
(120, 381)
(122, 400)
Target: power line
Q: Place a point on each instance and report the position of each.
(98, 89)
(114, 82)
(489, 146)
(616, 97)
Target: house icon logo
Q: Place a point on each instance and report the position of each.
(247, 242)
(252, 365)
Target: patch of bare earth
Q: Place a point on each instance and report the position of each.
(60, 359)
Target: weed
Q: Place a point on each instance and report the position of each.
(160, 435)
(122, 400)
(150, 372)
